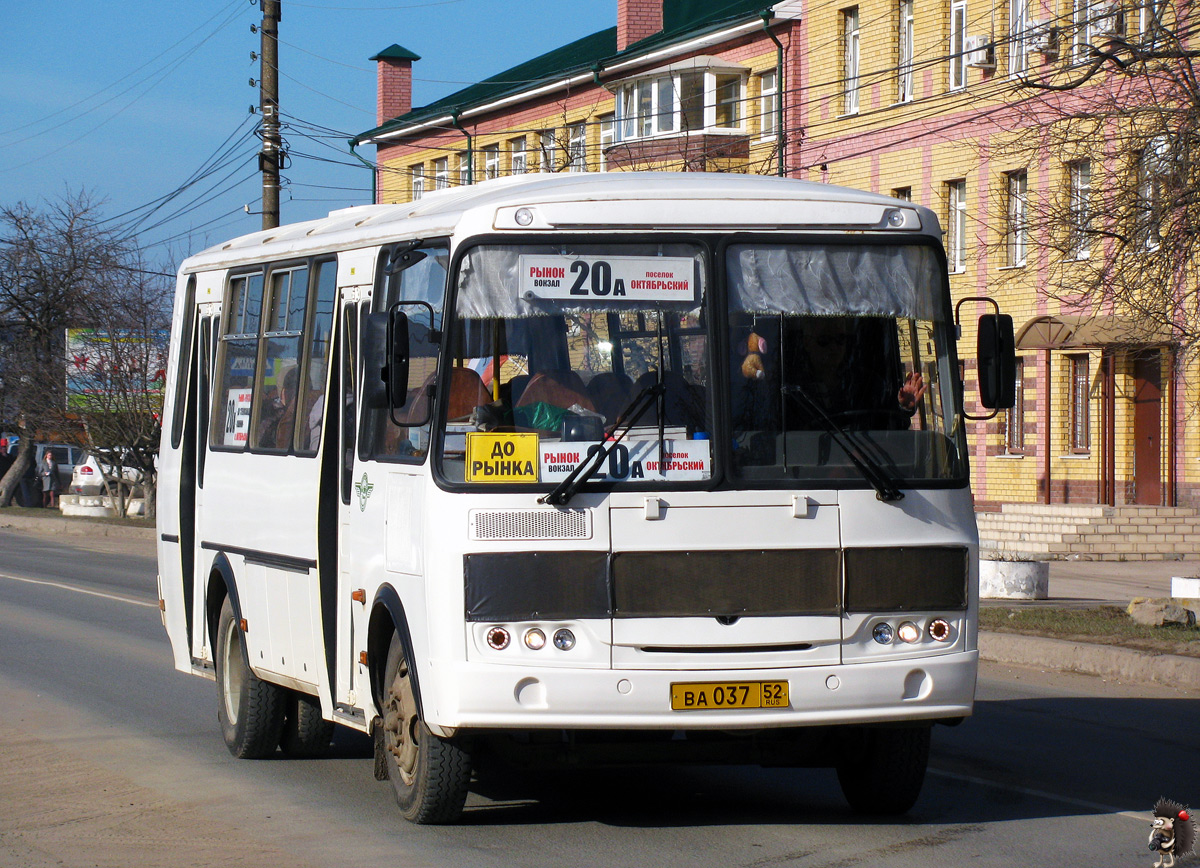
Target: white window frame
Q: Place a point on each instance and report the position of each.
(577, 147)
(905, 36)
(1083, 27)
(441, 173)
(768, 97)
(462, 168)
(1080, 208)
(547, 145)
(608, 136)
(517, 159)
(491, 161)
(956, 230)
(1017, 217)
(652, 107)
(958, 39)
(1019, 22)
(851, 47)
(418, 181)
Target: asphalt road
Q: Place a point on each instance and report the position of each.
(110, 757)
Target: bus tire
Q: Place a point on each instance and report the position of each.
(250, 710)
(429, 775)
(882, 770)
(306, 734)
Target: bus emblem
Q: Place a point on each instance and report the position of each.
(363, 489)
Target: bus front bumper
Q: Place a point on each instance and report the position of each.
(470, 695)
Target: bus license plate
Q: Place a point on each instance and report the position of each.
(729, 694)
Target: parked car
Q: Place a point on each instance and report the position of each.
(65, 458)
(90, 474)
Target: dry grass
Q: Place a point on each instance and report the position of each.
(1107, 625)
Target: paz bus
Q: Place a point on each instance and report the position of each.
(630, 467)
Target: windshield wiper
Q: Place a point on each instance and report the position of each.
(626, 419)
(885, 487)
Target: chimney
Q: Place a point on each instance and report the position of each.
(637, 19)
(394, 83)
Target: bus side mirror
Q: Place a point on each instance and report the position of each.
(997, 362)
(396, 372)
(374, 349)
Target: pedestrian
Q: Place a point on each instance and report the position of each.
(49, 474)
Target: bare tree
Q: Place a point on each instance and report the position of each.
(49, 259)
(1117, 123)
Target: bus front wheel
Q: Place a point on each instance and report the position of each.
(250, 710)
(429, 775)
(881, 770)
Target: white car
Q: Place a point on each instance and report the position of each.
(89, 475)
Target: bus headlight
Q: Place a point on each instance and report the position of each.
(564, 639)
(535, 639)
(909, 632)
(939, 630)
(882, 634)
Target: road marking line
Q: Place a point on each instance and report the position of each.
(1042, 794)
(63, 587)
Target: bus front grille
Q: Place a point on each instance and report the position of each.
(530, 524)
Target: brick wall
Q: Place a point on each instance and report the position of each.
(637, 19)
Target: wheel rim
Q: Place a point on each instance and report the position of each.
(232, 676)
(400, 724)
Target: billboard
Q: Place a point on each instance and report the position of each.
(115, 369)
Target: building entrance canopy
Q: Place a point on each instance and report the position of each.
(1067, 332)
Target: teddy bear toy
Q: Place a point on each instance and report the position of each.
(752, 364)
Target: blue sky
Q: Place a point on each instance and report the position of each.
(128, 100)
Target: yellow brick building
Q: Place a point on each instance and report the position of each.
(922, 99)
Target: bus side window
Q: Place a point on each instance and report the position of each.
(278, 383)
(236, 362)
(349, 381)
(310, 408)
(425, 280)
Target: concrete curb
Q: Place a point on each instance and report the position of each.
(57, 525)
(1107, 661)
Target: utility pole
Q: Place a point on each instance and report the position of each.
(270, 158)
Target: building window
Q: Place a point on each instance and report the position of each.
(1080, 209)
(1154, 169)
(1081, 20)
(516, 150)
(685, 101)
(441, 173)
(491, 162)
(1014, 417)
(1017, 217)
(460, 163)
(958, 37)
(1078, 420)
(577, 142)
(1018, 37)
(768, 95)
(956, 226)
(608, 133)
(904, 194)
(418, 182)
(546, 149)
(850, 46)
(904, 52)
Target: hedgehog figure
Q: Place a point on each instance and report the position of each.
(1172, 834)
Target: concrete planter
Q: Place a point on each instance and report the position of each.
(1014, 580)
(98, 506)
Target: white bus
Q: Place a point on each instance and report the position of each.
(637, 466)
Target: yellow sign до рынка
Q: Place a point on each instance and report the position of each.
(502, 457)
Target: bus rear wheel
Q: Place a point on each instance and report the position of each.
(250, 710)
(882, 770)
(306, 734)
(429, 775)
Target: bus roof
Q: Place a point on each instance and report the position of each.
(592, 202)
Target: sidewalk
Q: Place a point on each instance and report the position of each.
(1072, 583)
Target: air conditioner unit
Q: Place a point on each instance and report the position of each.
(980, 52)
(1044, 38)
(1108, 20)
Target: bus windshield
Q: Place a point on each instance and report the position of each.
(837, 355)
(840, 350)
